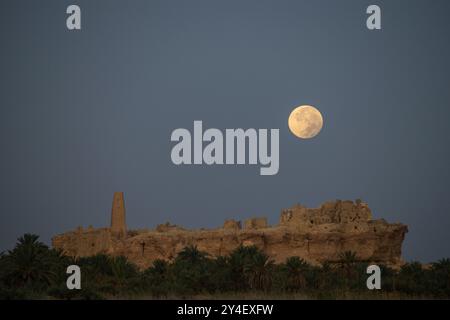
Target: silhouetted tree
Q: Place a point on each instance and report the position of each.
(238, 259)
(296, 270)
(412, 279)
(156, 278)
(30, 264)
(189, 272)
(347, 263)
(258, 270)
(440, 278)
(32, 270)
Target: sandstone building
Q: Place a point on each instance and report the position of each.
(118, 224)
(316, 235)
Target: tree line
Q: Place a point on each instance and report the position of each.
(32, 270)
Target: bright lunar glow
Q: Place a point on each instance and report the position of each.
(305, 122)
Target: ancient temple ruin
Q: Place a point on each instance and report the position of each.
(314, 234)
(118, 223)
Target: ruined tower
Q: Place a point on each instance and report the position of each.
(118, 225)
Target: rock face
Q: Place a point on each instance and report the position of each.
(316, 235)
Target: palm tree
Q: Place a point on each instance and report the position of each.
(296, 269)
(190, 272)
(191, 254)
(259, 272)
(98, 265)
(412, 278)
(30, 263)
(440, 278)
(121, 268)
(389, 277)
(157, 273)
(328, 275)
(96, 272)
(347, 263)
(159, 267)
(220, 274)
(156, 277)
(123, 274)
(237, 261)
(442, 265)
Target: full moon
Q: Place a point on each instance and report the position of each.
(305, 122)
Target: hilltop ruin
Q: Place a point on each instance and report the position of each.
(316, 235)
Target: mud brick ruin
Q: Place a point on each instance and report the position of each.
(316, 235)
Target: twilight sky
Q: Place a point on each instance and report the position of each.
(90, 112)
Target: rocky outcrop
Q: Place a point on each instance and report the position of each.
(316, 235)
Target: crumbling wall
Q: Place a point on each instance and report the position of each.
(232, 225)
(82, 243)
(255, 223)
(338, 212)
(166, 227)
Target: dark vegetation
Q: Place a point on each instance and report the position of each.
(33, 271)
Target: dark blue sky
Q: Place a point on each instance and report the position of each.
(87, 113)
